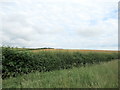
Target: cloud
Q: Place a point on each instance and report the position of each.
(59, 23)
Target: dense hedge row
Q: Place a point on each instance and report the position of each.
(17, 62)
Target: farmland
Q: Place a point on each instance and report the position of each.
(70, 50)
(20, 65)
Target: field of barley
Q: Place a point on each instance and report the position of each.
(59, 68)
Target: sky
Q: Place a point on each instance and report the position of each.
(67, 24)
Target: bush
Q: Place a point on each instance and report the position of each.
(16, 62)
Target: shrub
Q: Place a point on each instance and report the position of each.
(16, 62)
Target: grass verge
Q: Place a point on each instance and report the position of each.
(104, 75)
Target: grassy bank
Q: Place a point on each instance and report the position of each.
(104, 75)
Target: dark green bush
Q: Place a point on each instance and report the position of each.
(16, 62)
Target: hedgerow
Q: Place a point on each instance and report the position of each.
(16, 62)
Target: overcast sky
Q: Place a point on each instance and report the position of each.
(69, 24)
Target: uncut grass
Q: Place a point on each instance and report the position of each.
(104, 75)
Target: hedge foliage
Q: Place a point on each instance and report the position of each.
(15, 62)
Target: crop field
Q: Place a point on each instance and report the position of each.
(76, 50)
(52, 68)
(69, 50)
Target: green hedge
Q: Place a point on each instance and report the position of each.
(17, 62)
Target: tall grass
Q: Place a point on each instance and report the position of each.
(104, 75)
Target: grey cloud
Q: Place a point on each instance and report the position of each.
(89, 32)
(37, 23)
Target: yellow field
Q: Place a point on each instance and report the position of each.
(72, 50)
